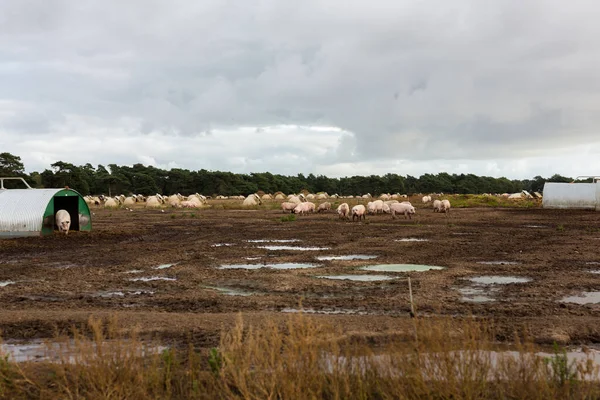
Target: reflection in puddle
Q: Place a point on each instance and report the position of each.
(498, 280)
(6, 283)
(122, 293)
(400, 268)
(358, 278)
(229, 291)
(497, 363)
(327, 312)
(477, 294)
(67, 351)
(274, 266)
(221, 244)
(153, 278)
(164, 266)
(133, 271)
(411, 240)
(252, 258)
(346, 258)
(297, 248)
(585, 298)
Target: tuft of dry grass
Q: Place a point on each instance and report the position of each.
(302, 358)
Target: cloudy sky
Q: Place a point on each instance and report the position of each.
(335, 87)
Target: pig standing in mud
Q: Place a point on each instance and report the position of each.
(343, 211)
(63, 221)
(359, 212)
(401, 208)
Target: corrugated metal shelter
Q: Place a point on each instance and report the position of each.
(578, 196)
(30, 212)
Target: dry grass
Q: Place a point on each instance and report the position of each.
(301, 359)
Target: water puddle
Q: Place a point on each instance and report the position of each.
(133, 271)
(252, 258)
(497, 262)
(67, 351)
(164, 266)
(498, 280)
(229, 291)
(358, 278)
(273, 266)
(274, 241)
(585, 298)
(123, 293)
(346, 258)
(153, 278)
(592, 263)
(477, 294)
(221, 244)
(326, 312)
(400, 268)
(411, 240)
(496, 363)
(6, 283)
(596, 271)
(296, 248)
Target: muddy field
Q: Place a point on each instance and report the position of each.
(48, 284)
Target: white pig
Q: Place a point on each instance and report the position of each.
(63, 221)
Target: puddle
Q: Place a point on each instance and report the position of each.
(597, 271)
(6, 283)
(273, 266)
(497, 262)
(358, 278)
(121, 293)
(67, 351)
(252, 258)
(346, 258)
(296, 248)
(133, 271)
(327, 312)
(411, 240)
(498, 280)
(585, 298)
(153, 278)
(221, 244)
(400, 268)
(164, 266)
(229, 291)
(477, 294)
(496, 362)
(592, 263)
(274, 241)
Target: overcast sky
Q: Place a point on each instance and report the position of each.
(335, 87)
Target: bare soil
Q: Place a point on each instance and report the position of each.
(62, 280)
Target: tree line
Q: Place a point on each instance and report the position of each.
(140, 179)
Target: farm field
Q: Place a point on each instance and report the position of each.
(48, 284)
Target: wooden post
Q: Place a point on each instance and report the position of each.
(412, 304)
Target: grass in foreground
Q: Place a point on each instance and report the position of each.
(299, 359)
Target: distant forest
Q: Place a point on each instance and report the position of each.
(141, 179)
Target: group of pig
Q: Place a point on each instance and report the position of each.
(359, 211)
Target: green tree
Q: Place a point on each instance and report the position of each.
(11, 165)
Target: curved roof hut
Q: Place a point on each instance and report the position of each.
(30, 212)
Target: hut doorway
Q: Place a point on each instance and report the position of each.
(71, 205)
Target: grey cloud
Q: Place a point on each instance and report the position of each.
(408, 80)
